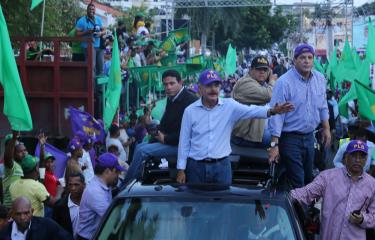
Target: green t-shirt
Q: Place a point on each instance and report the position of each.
(10, 176)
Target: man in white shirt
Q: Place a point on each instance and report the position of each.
(114, 135)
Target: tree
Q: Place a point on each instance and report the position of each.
(253, 27)
(60, 17)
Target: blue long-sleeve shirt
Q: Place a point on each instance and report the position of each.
(308, 98)
(339, 157)
(205, 133)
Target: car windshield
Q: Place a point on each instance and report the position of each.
(158, 219)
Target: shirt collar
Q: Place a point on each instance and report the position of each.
(300, 76)
(178, 94)
(347, 173)
(15, 230)
(219, 102)
(71, 203)
(101, 183)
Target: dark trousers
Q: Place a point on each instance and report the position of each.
(216, 172)
(296, 160)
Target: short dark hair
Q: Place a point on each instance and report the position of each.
(91, 4)
(171, 73)
(113, 129)
(76, 174)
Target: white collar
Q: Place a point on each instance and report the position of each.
(71, 203)
(178, 94)
(16, 234)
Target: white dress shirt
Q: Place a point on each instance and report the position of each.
(18, 235)
(74, 215)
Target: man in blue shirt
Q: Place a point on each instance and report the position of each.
(292, 133)
(97, 196)
(205, 133)
(91, 26)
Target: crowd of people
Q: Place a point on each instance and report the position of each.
(269, 105)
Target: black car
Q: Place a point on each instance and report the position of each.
(155, 208)
(162, 212)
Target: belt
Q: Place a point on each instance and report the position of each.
(209, 160)
(297, 133)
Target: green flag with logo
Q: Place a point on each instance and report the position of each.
(366, 100)
(15, 105)
(180, 35)
(168, 44)
(35, 3)
(113, 91)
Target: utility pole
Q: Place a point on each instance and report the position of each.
(330, 33)
(301, 25)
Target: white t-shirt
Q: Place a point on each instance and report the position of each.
(89, 171)
(123, 139)
(115, 141)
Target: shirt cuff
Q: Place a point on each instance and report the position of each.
(181, 164)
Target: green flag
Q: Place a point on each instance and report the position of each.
(35, 3)
(230, 61)
(349, 96)
(15, 105)
(370, 48)
(113, 91)
(180, 35)
(347, 57)
(168, 44)
(318, 66)
(158, 111)
(366, 100)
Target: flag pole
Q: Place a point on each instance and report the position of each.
(42, 25)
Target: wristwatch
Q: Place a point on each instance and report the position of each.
(274, 144)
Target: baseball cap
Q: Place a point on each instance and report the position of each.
(49, 155)
(28, 163)
(260, 62)
(209, 76)
(109, 160)
(303, 48)
(356, 146)
(74, 144)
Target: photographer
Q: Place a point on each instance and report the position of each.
(91, 26)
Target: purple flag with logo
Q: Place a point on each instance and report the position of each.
(60, 156)
(84, 122)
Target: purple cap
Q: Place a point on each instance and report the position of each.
(303, 48)
(109, 160)
(208, 76)
(356, 146)
(195, 88)
(74, 144)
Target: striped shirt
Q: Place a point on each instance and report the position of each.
(341, 196)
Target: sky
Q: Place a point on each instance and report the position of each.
(356, 2)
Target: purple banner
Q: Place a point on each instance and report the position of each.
(60, 156)
(83, 122)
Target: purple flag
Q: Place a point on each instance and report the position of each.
(84, 122)
(60, 156)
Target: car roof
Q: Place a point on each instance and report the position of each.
(136, 189)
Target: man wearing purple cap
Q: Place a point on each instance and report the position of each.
(206, 128)
(76, 151)
(292, 133)
(97, 196)
(348, 196)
